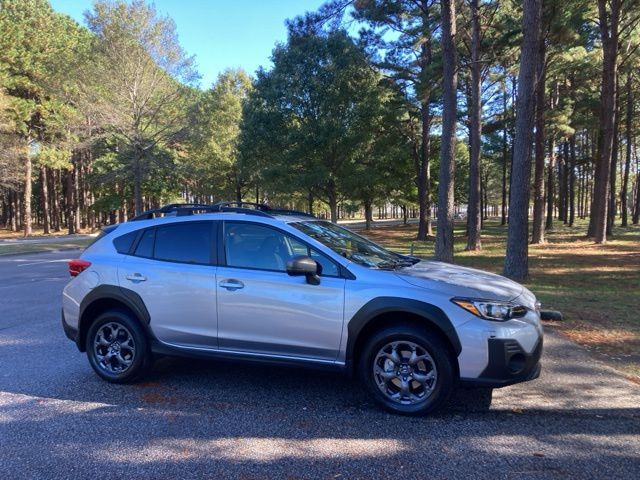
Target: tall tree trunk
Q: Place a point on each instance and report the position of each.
(368, 214)
(44, 194)
(636, 210)
(565, 183)
(559, 174)
(537, 235)
(505, 158)
(609, 35)
(444, 234)
(424, 175)
(572, 180)
(613, 169)
(137, 185)
(122, 211)
(550, 184)
(333, 200)
(28, 185)
(13, 210)
(76, 196)
(71, 224)
(516, 265)
(423, 170)
(475, 132)
(627, 164)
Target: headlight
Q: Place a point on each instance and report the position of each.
(490, 310)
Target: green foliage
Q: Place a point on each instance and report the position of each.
(321, 109)
(213, 160)
(340, 117)
(133, 87)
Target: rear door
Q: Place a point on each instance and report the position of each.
(173, 270)
(262, 310)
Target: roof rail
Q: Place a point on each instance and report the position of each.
(180, 209)
(265, 208)
(297, 213)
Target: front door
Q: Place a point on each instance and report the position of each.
(262, 310)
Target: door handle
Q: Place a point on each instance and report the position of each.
(136, 277)
(231, 284)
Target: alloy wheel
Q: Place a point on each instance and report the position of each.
(114, 348)
(405, 372)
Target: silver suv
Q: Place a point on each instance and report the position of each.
(232, 282)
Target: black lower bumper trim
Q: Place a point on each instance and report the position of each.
(70, 332)
(508, 364)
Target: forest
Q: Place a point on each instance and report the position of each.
(441, 110)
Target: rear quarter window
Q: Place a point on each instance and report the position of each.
(123, 243)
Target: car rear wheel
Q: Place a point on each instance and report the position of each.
(407, 370)
(117, 347)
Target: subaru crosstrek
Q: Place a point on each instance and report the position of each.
(229, 281)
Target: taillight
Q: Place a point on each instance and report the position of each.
(77, 266)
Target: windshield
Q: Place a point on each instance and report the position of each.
(352, 246)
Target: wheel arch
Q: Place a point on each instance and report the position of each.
(384, 311)
(108, 297)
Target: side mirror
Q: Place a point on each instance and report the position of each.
(307, 266)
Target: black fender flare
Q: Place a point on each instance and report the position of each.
(432, 315)
(127, 297)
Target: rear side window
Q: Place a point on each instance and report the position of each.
(188, 242)
(123, 243)
(145, 245)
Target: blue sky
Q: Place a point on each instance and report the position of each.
(221, 34)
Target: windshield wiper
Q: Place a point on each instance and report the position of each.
(393, 264)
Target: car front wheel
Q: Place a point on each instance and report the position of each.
(117, 347)
(408, 370)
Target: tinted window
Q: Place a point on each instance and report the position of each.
(145, 245)
(187, 242)
(255, 246)
(123, 242)
(329, 268)
(352, 246)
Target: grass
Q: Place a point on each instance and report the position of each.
(11, 249)
(596, 287)
(43, 243)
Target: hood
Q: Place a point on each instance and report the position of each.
(460, 281)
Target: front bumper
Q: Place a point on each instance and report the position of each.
(508, 363)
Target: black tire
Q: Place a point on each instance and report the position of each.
(134, 352)
(425, 399)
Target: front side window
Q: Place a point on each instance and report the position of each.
(249, 245)
(352, 246)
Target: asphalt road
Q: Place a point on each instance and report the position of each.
(221, 420)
